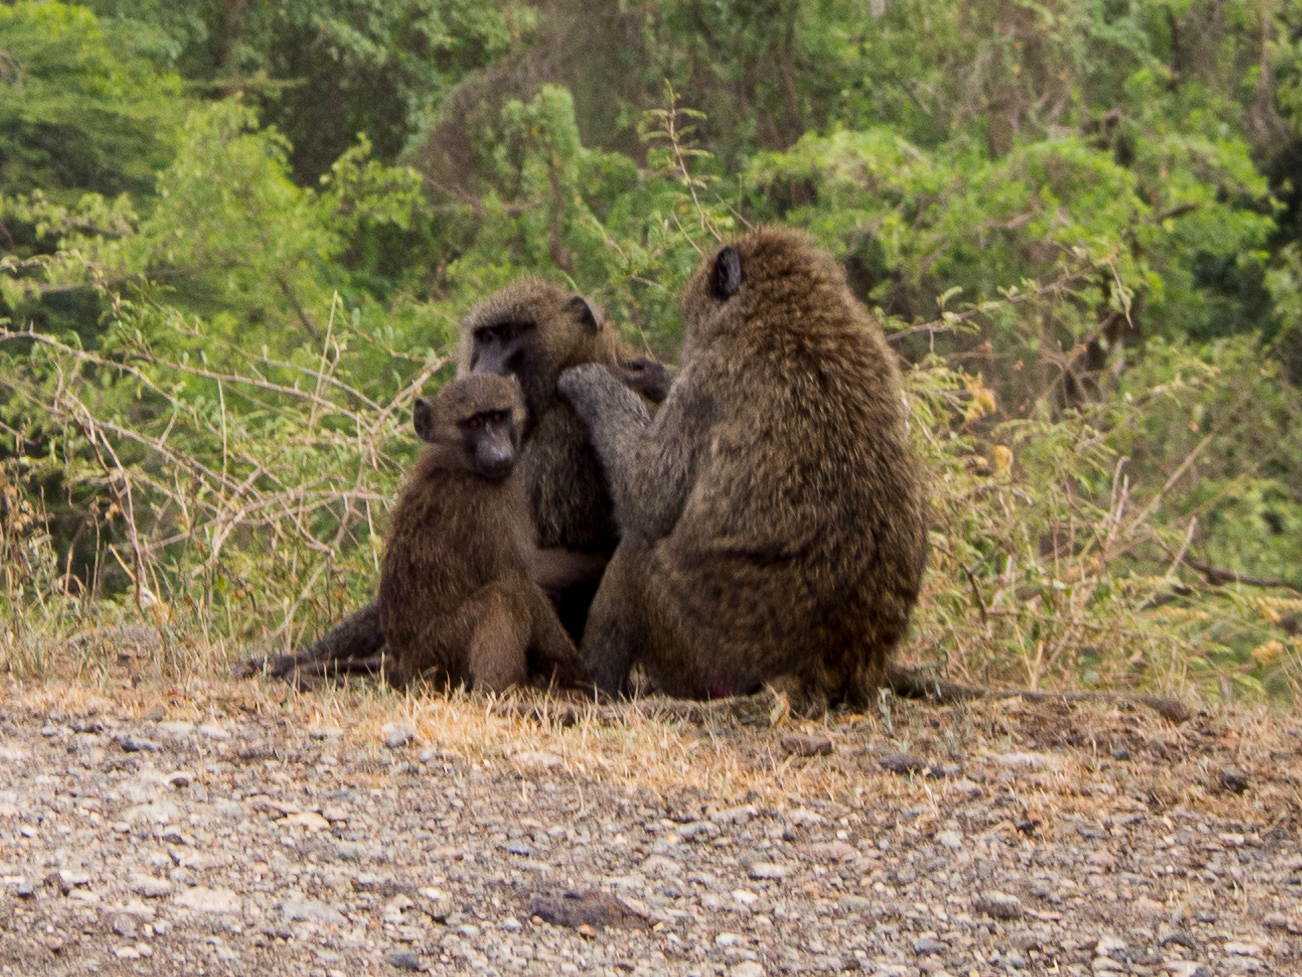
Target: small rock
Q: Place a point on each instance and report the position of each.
(1109, 946)
(747, 968)
(1148, 908)
(311, 911)
(138, 744)
(326, 733)
(1276, 921)
(1237, 949)
(71, 879)
(745, 897)
(26, 889)
(587, 931)
(1106, 965)
(213, 730)
(902, 763)
(734, 815)
(177, 729)
(727, 939)
(950, 839)
(767, 870)
(660, 867)
(1121, 753)
(965, 787)
(126, 953)
(305, 820)
(182, 778)
(697, 830)
(798, 744)
(123, 925)
(511, 924)
(149, 886)
(1233, 779)
(928, 945)
(998, 905)
(404, 960)
(1180, 939)
(397, 734)
(1030, 760)
(518, 847)
(1187, 968)
(350, 852)
(854, 904)
(584, 908)
(204, 899)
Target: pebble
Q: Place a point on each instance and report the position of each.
(403, 960)
(801, 745)
(998, 905)
(309, 910)
(902, 763)
(1187, 968)
(1233, 779)
(204, 899)
(767, 870)
(929, 945)
(747, 968)
(950, 839)
(397, 734)
(734, 815)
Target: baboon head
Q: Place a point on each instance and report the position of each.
(532, 330)
(769, 274)
(475, 423)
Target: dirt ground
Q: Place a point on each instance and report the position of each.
(247, 828)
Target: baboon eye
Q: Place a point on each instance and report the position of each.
(475, 423)
(498, 416)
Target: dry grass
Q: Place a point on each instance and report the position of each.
(1071, 772)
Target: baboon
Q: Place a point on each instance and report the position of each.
(772, 512)
(455, 594)
(531, 330)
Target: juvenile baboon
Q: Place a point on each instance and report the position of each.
(455, 594)
(531, 330)
(772, 512)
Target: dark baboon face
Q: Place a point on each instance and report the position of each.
(531, 331)
(476, 422)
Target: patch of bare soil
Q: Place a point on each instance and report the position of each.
(249, 829)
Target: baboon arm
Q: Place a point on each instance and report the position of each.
(648, 463)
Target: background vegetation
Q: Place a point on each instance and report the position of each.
(235, 240)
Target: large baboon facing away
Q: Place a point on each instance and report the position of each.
(456, 598)
(772, 512)
(531, 330)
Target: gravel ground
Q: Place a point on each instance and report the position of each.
(326, 837)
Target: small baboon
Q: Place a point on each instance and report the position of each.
(530, 330)
(772, 512)
(455, 594)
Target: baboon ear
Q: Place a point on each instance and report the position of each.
(422, 419)
(725, 281)
(583, 312)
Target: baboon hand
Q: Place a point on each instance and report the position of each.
(588, 387)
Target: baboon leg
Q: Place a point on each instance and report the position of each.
(552, 647)
(500, 637)
(616, 633)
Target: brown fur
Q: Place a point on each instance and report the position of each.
(567, 489)
(562, 480)
(772, 512)
(455, 594)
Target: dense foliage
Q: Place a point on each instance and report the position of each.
(235, 240)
